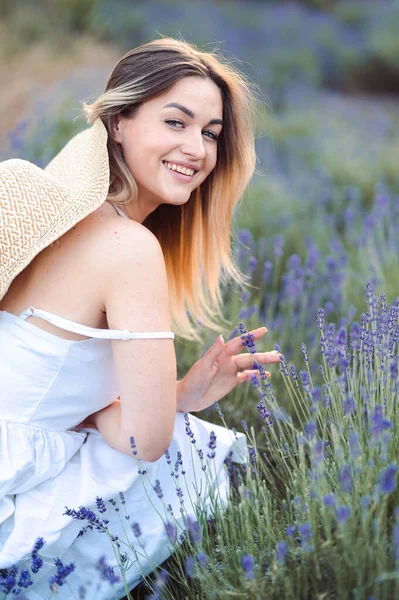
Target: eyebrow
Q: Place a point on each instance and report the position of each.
(190, 113)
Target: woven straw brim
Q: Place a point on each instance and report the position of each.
(38, 206)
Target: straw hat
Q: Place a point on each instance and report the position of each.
(37, 206)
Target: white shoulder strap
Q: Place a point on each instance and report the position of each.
(111, 334)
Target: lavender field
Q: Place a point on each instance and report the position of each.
(316, 514)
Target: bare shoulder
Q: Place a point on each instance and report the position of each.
(112, 239)
(133, 274)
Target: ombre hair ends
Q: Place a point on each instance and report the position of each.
(195, 237)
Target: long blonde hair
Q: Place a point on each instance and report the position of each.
(195, 237)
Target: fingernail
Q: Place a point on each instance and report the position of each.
(219, 340)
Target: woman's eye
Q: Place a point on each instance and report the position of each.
(213, 135)
(175, 122)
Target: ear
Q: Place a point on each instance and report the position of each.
(116, 129)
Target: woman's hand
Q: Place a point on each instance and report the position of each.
(218, 372)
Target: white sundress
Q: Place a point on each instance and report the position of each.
(48, 385)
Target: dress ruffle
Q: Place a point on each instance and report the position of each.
(82, 466)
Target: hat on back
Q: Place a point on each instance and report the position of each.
(37, 206)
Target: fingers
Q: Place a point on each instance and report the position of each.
(247, 360)
(246, 375)
(235, 345)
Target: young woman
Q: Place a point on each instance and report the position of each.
(89, 402)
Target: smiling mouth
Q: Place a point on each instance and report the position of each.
(180, 170)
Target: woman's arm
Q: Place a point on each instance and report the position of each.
(108, 422)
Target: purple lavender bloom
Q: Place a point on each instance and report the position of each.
(38, 545)
(218, 409)
(136, 529)
(171, 531)
(378, 423)
(194, 530)
(253, 454)
(354, 445)
(318, 454)
(283, 364)
(248, 564)
(244, 425)
(212, 445)
(341, 337)
(133, 445)
(305, 352)
(305, 378)
(264, 413)
(252, 263)
(305, 531)
(395, 540)
(202, 560)
(387, 479)
(355, 336)
(316, 394)
(8, 583)
(349, 405)
(106, 572)
(278, 245)
(25, 580)
(188, 428)
(291, 530)
(247, 338)
(394, 369)
(85, 514)
(329, 500)
(100, 505)
(247, 494)
(328, 307)
(294, 374)
(343, 513)
(62, 573)
(281, 551)
(310, 429)
(320, 318)
(190, 564)
(255, 381)
(244, 313)
(160, 583)
(37, 562)
(267, 271)
(345, 478)
(157, 489)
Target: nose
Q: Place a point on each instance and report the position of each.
(193, 145)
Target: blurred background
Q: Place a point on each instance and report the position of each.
(321, 215)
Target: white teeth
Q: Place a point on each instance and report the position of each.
(179, 169)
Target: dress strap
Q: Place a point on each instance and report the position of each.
(111, 334)
(119, 211)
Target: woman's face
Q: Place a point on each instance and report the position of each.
(176, 130)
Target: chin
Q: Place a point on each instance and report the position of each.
(176, 201)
